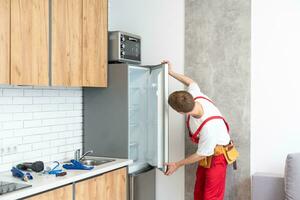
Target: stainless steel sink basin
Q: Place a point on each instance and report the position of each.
(95, 161)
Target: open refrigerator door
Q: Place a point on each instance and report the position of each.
(158, 121)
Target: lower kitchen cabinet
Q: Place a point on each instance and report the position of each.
(63, 193)
(109, 186)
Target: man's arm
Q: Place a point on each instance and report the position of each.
(180, 77)
(172, 167)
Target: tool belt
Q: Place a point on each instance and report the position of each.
(229, 151)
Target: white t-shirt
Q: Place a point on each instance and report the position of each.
(214, 132)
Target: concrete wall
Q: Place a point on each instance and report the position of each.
(161, 25)
(275, 92)
(217, 56)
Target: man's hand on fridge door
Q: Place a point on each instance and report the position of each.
(170, 66)
(171, 168)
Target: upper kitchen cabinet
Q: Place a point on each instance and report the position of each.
(95, 43)
(79, 43)
(29, 42)
(67, 42)
(4, 41)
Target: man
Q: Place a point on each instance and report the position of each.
(209, 129)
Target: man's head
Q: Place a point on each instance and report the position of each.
(181, 101)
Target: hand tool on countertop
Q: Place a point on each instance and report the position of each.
(37, 166)
(76, 165)
(19, 174)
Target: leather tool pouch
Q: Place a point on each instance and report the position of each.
(206, 162)
(231, 154)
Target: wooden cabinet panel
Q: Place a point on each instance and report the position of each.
(4, 41)
(63, 193)
(29, 42)
(95, 43)
(67, 42)
(109, 186)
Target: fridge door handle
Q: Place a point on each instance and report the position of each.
(166, 118)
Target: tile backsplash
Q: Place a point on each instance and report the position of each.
(39, 123)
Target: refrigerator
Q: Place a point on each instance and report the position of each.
(129, 119)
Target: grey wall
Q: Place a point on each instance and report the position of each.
(217, 56)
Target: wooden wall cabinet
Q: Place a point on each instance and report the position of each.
(30, 42)
(79, 43)
(4, 41)
(108, 186)
(77, 54)
(63, 193)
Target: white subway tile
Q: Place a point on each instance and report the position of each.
(33, 131)
(50, 93)
(58, 128)
(6, 133)
(74, 140)
(5, 100)
(60, 156)
(5, 117)
(11, 108)
(65, 134)
(45, 123)
(65, 148)
(66, 93)
(41, 100)
(12, 158)
(12, 92)
(24, 148)
(50, 151)
(78, 106)
(65, 107)
(58, 142)
(58, 99)
(22, 116)
(40, 145)
(32, 139)
(12, 124)
(22, 100)
(49, 115)
(49, 136)
(32, 108)
(12, 141)
(50, 107)
(73, 100)
(32, 123)
(32, 156)
(33, 92)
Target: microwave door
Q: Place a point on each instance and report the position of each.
(158, 121)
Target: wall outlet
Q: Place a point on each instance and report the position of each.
(8, 150)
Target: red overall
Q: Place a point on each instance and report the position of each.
(210, 182)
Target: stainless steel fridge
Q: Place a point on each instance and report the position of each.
(129, 119)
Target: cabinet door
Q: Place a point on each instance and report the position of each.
(4, 41)
(95, 43)
(29, 42)
(63, 193)
(109, 186)
(67, 42)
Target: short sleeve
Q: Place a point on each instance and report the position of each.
(194, 90)
(207, 144)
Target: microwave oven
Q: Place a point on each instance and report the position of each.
(124, 47)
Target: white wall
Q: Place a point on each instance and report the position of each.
(39, 124)
(275, 101)
(160, 23)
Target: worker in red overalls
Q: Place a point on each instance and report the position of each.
(209, 129)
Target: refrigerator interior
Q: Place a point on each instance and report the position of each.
(145, 116)
(138, 118)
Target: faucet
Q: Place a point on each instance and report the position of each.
(77, 154)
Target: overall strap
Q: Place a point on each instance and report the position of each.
(194, 136)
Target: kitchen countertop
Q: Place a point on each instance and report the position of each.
(42, 183)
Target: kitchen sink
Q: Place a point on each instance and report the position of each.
(95, 161)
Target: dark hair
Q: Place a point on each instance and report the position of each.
(181, 101)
